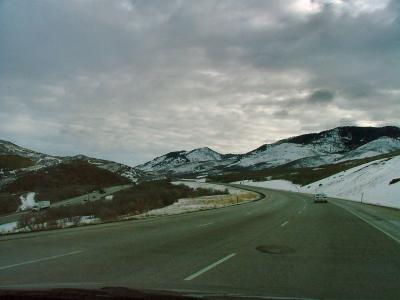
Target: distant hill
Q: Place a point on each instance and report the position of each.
(59, 182)
(16, 161)
(308, 150)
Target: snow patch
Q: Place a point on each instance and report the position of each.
(8, 227)
(278, 184)
(27, 201)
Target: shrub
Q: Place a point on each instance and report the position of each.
(138, 199)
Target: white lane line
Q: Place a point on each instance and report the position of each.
(284, 224)
(202, 225)
(368, 222)
(198, 273)
(39, 260)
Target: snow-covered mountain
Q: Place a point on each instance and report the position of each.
(308, 150)
(41, 160)
(197, 160)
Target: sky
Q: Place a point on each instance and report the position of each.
(130, 80)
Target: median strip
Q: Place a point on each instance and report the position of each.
(39, 260)
(198, 273)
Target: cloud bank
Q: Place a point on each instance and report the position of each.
(130, 80)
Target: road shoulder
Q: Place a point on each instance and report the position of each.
(384, 219)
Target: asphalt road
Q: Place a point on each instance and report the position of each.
(280, 246)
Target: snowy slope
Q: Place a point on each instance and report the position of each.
(308, 150)
(369, 181)
(197, 160)
(277, 184)
(376, 147)
(203, 154)
(277, 154)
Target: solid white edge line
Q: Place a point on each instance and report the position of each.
(198, 273)
(284, 224)
(39, 260)
(368, 222)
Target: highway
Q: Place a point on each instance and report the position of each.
(283, 245)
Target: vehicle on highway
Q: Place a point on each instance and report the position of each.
(320, 198)
(41, 205)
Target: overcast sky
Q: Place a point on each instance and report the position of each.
(131, 80)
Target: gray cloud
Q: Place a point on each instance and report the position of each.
(129, 80)
(321, 96)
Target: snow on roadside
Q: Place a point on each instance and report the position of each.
(8, 227)
(277, 184)
(210, 186)
(185, 205)
(12, 227)
(369, 182)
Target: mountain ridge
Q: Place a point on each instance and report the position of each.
(306, 150)
(41, 160)
(326, 146)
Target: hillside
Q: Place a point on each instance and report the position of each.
(59, 182)
(374, 182)
(16, 161)
(309, 150)
(197, 160)
(10, 162)
(377, 182)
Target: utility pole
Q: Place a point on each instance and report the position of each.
(362, 196)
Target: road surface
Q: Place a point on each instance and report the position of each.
(282, 246)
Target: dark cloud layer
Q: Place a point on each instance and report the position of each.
(129, 80)
(321, 96)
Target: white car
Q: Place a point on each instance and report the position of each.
(320, 198)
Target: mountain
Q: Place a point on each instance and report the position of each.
(308, 150)
(197, 160)
(16, 161)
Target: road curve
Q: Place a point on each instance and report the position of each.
(281, 246)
